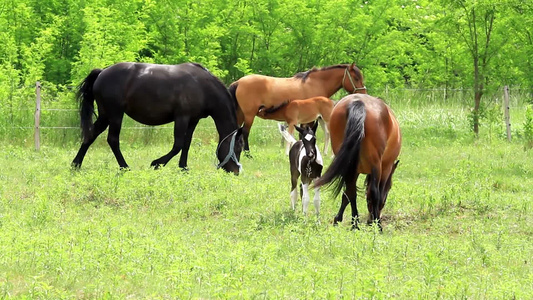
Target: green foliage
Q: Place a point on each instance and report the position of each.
(477, 45)
(111, 35)
(397, 43)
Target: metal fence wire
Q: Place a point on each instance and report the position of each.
(454, 98)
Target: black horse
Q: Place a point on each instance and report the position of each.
(154, 95)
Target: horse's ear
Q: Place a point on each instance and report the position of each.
(300, 130)
(315, 126)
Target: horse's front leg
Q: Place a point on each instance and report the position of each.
(305, 197)
(180, 131)
(316, 201)
(187, 144)
(294, 186)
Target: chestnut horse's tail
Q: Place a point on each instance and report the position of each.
(86, 98)
(344, 166)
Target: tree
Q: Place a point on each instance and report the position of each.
(473, 23)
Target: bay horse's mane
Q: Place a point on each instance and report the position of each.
(304, 75)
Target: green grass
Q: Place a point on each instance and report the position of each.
(458, 223)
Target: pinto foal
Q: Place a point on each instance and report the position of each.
(306, 162)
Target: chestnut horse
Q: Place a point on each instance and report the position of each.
(301, 112)
(254, 91)
(366, 139)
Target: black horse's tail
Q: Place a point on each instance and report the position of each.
(344, 166)
(85, 97)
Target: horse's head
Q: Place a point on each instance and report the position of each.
(353, 81)
(307, 135)
(229, 152)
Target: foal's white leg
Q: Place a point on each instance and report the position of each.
(294, 198)
(316, 201)
(305, 198)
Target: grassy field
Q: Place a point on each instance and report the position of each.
(458, 223)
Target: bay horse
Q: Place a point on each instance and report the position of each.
(366, 139)
(301, 112)
(305, 163)
(254, 91)
(154, 95)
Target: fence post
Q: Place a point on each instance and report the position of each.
(37, 116)
(506, 111)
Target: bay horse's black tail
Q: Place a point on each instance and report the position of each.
(85, 97)
(344, 166)
(232, 89)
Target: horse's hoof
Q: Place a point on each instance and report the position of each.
(155, 165)
(75, 166)
(185, 169)
(125, 169)
(248, 154)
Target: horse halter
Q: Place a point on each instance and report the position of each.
(231, 152)
(347, 72)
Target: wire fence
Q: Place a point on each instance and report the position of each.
(47, 108)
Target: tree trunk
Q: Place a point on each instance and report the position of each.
(477, 103)
(478, 92)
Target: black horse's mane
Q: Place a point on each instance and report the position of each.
(218, 80)
(304, 75)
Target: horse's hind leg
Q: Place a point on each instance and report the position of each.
(351, 192)
(114, 142)
(248, 121)
(187, 144)
(324, 127)
(386, 184)
(99, 126)
(374, 196)
(291, 131)
(349, 196)
(180, 131)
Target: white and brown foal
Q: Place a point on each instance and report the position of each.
(306, 163)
